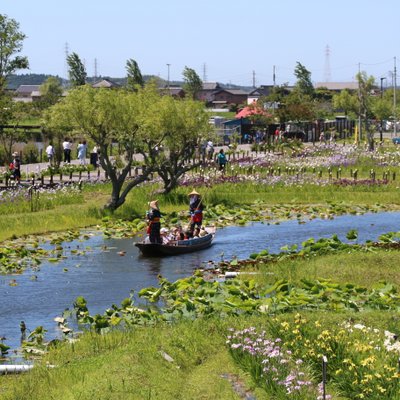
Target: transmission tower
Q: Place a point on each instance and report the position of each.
(204, 72)
(327, 64)
(66, 50)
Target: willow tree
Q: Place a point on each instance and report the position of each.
(76, 70)
(104, 116)
(134, 76)
(172, 132)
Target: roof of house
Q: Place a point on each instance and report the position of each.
(337, 85)
(211, 86)
(233, 91)
(27, 89)
(105, 83)
(263, 90)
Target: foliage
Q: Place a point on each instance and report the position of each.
(192, 82)
(11, 41)
(366, 84)
(13, 115)
(361, 360)
(51, 91)
(303, 84)
(170, 140)
(76, 70)
(346, 102)
(134, 76)
(271, 364)
(103, 116)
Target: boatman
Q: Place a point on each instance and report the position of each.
(154, 224)
(196, 207)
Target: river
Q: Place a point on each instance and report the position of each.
(104, 277)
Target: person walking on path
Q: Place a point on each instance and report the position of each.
(15, 167)
(221, 160)
(82, 148)
(50, 153)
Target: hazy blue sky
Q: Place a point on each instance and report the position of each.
(230, 38)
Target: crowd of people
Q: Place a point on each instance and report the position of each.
(158, 235)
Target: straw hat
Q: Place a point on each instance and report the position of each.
(193, 193)
(153, 204)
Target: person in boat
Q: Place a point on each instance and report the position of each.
(196, 232)
(196, 207)
(154, 224)
(203, 232)
(165, 236)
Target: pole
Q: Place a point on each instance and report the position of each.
(168, 65)
(381, 129)
(274, 77)
(359, 110)
(394, 100)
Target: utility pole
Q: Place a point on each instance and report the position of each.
(360, 106)
(95, 69)
(394, 100)
(273, 76)
(381, 127)
(168, 65)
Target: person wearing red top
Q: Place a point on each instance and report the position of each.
(196, 207)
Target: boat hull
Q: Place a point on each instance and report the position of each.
(176, 247)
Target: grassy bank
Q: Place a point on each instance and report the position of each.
(89, 210)
(136, 364)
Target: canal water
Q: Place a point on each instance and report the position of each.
(103, 276)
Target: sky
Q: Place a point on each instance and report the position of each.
(227, 41)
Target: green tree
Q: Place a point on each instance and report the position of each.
(76, 70)
(382, 107)
(346, 102)
(11, 114)
(11, 40)
(365, 101)
(50, 91)
(173, 131)
(104, 116)
(134, 76)
(303, 85)
(297, 108)
(192, 82)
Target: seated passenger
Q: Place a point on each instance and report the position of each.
(196, 232)
(202, 232)
(164, 235)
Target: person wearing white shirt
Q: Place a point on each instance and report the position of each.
(67, 146)
(50, 153)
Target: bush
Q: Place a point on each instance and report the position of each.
(30, 154)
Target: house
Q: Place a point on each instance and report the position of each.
(174, 91)
(24, 93)
(337, 86)
(262, 91)
(105, 83)
(207, 92)
(230, 96)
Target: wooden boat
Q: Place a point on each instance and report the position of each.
(176, 247)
